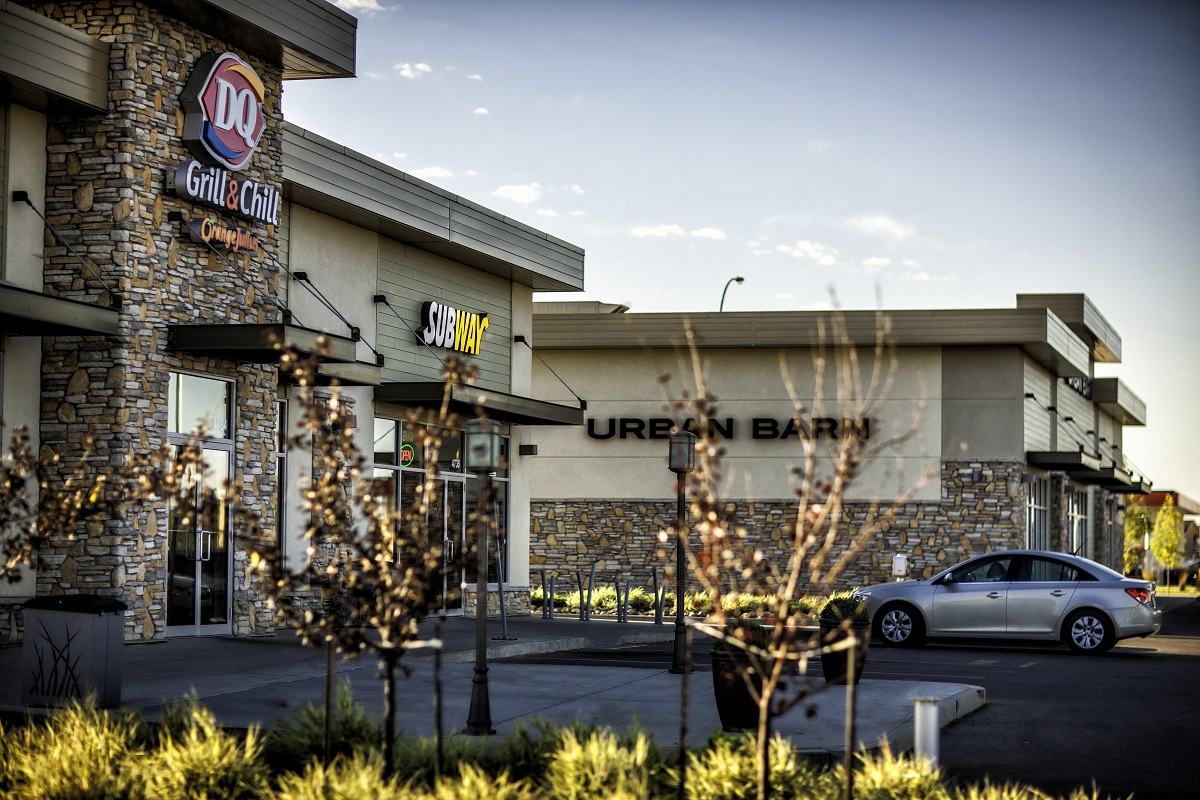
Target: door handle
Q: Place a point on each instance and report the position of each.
(205, 538)
(448, 550)
(995, 595)
(1057, 593)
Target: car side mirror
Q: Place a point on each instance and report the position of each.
(945, 579)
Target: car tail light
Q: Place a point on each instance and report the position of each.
(1141, 595)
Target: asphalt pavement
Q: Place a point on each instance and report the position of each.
(254, 680)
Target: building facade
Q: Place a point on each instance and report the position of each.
(987, 429)
(165, 233)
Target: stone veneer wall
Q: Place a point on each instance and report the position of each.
(973, 516)
(107, 193)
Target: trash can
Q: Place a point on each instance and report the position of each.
(72, 647)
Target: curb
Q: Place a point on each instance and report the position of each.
(902, 738)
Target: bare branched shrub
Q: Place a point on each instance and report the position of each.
(372, 571)
(62, 502)
(822, 537)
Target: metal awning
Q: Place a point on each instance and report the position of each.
(260, 343)
(359, 373)
(1087, 469)
(498, 406)
(24, 312)
(1065, 460)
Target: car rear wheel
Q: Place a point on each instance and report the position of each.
(899, 625)
(1090, 632)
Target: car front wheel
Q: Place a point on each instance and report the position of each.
(1089, 632)
(898, 625)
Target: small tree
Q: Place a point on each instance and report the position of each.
(372, 573)
(63, 500)
(1166, 539)
(824, 535)
(1137, 529)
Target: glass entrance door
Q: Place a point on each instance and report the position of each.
(198, 555)
(453, 544)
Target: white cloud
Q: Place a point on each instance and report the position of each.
(359, 5)
(824, 255)
(520, 193)
(908, 262)
(474, 77)
(657, 231)
(547, 212)
(375, 76)
(399, 156)
(576, 213)
(880, 225)
(408, 70)
(819, 148)
(480, 112)
(876, 262)
(427, 173)
(920, 276)
(575, 188)
(472, 173)
(710, 233)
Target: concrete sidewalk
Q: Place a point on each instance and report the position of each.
(248, 681)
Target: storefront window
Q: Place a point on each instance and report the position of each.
(281, 448)
(1037, 513)
(1077, 520)
(193, 400)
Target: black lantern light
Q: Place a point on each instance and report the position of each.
(681, 460)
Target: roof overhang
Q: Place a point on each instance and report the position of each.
(360, 373)
(498, 406)
(24, 312)
(260, 343)
(1118, 400)
(307, 39)
(48, 66)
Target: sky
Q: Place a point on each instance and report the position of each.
(862, 153)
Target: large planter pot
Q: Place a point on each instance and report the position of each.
(736, 704)
(837, 665)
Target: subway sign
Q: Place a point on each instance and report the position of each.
(446, 326)
(223, 111)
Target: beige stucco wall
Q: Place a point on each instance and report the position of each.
(519, 466)
(20, 385)
(982, 402)
(343, 263)
(746, 384)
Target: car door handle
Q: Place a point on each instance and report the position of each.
(995, 595)
(1057, 593)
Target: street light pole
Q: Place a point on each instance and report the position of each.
(682, 460)
(739, 279)
(482, 457)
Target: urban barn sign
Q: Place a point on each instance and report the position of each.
(729, 428)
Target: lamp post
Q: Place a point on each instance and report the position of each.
(483, 458)
(682, 460)
(738, 279)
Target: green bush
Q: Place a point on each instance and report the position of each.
(352, 778)
(300, 736)
(521, 754)
(599, 765)
(842, 606)
(78, 753)
(725, 770)
(745, 630)
(195, 758)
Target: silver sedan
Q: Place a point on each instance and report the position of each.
(1017, 594)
